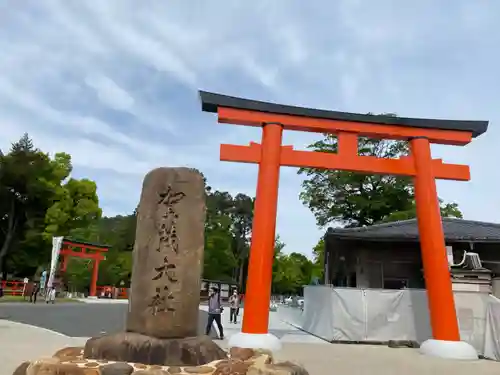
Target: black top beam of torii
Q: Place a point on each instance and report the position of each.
(212, 101)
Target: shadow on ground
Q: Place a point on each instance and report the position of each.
(77, 320)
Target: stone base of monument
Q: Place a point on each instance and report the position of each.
(239, 361)
(135, 347)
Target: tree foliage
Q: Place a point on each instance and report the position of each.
(38, 199)
(227, 235)
(291, 272)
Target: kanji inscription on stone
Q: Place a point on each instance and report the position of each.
(168, 254)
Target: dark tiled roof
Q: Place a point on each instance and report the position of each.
(407, 230)
(212, 101)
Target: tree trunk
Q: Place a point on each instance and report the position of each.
(234, 274)
(240, 276)
(9, 236)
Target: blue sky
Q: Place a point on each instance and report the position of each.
(115, 84)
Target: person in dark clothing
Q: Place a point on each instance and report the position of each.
(34, 292)
(214, 312)
(234, 306)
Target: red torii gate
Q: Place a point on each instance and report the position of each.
(271, 155)
(84, 250)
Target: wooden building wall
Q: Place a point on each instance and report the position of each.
(391, 265)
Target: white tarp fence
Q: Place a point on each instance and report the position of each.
(492, 334)
(56, 248)
(378, 315)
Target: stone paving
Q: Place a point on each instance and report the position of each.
(285, 332)
(21, 342)
(74, 319)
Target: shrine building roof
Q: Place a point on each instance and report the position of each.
(455, 230)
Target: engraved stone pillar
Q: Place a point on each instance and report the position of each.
(168, 254)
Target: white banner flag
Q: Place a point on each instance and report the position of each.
(56, 248)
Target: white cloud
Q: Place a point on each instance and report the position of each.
(115, 84)
(83, 126)
(110, 93)
(139, 44)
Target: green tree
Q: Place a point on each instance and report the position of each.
(447, 210)
(219, 260)
(38, 200)
(76, 206)
(118, 232)
(319, 251)
(291, 272)
(116, 268)
(278, 246)
(242, 219)
(218, 239)
(319, 259)
(355, 199)
(227, 235)
(25, 193)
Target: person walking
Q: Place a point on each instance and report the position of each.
(51, 295)
(234, 307)
(214, 312)
(25, 287)
(43, 282)
(34, 292)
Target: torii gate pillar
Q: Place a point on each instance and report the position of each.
(260, 265)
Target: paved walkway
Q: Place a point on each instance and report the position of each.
(76, 319)
(103, 300)
(19, 342)
(346, 359)
(285, 332)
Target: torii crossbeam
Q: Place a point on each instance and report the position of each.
(348, 127)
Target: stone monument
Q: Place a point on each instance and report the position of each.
(162, 320)
(168, 255)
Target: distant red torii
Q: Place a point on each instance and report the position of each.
(84, 250)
